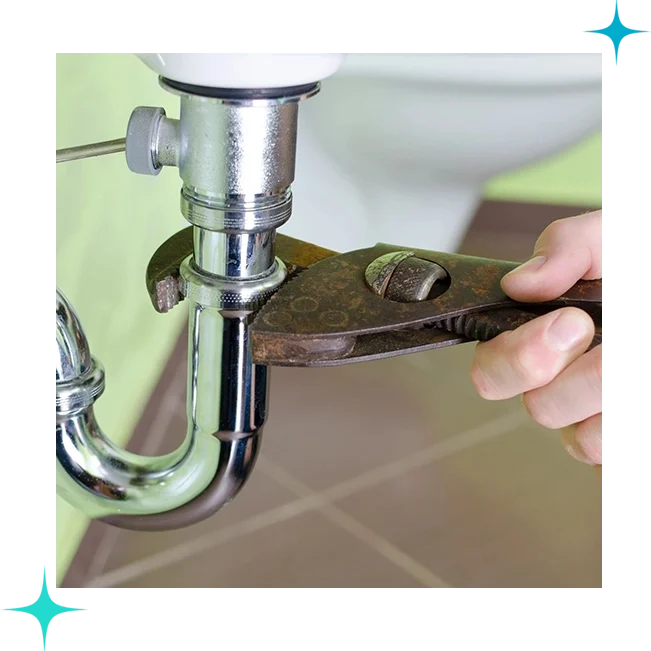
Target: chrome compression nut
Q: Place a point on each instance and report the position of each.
(80, 393)
(236, 215)
(229, 293)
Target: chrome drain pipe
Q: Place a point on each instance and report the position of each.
(236, 157)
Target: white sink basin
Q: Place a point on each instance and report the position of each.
(397, 148)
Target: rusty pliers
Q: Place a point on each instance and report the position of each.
(373, 303)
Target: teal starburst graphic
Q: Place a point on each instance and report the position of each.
(616, 31)
(44, 609)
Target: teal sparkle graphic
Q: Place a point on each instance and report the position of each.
(44, 609)
(616, 31)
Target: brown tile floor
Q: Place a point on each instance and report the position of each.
(386, 474)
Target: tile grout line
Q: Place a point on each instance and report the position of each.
(385, 548)
(371, 538)
(203, 543)
(438, 451)
(441, 450)
(103, 553)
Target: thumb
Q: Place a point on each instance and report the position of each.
(566, 251)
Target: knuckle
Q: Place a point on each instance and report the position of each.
(559, 227)
(532, 367)
(556, 231)
(538, 409)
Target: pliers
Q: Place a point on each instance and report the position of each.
(374, 303)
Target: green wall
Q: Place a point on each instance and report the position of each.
(572, 177)
(110, 221)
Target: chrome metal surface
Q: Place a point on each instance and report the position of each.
(237, 255)
(227, 404)
(237, 150)
(237, 214)
(73, 352)
(81, 392)
(166, 147)
(227, 397)
(236, 462)
(237, 163)
(228, 293)
(236, 160)
(92, 150)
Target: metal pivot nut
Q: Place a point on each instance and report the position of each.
(405, 278)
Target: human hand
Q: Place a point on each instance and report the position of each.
(545, 360)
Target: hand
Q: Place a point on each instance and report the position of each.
(545, 360)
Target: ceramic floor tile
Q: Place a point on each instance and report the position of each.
(305, 552)
(327, 425)
(515, 511)
(260, 494)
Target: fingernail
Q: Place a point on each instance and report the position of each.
(567, 331)
(529, 266)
